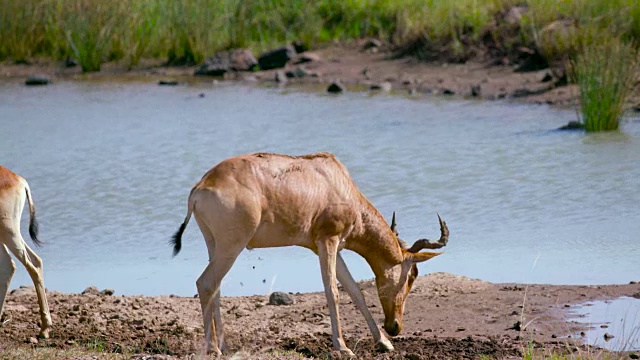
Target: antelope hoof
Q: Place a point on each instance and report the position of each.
(385, 345)
(44, 333)
(346, 352)
(215, 352)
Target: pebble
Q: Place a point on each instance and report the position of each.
(91, 290)
(335, 87)
(281, 298)
(37, 80)
(106, 292)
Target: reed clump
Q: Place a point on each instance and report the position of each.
(187, 31)
(605, 71)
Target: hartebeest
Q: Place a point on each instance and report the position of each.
(269, 200)
(13, 190)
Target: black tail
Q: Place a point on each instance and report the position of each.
(33, 222)
(176, 240)
(33, 230)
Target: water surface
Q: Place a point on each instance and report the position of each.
(111, 165)
(617, 317)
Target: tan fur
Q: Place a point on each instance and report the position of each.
(270, 200)
(13, 191)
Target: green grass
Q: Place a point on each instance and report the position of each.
(605, 72)
(187, 31)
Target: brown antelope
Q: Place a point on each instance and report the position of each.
(13, 190)
(269, 200)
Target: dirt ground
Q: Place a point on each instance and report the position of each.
(446, 317)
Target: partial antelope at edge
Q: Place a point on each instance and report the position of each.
(13, 192)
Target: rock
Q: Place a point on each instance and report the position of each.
(385, 86)
(532, 62)
(372, 43)
(91, 290)
(547, 77)
(517, 326)
(276, 58)
(281, 298)
(448, 92)
(636, 295)
(35, 80)
(70, 62)
(106, 292)
(299, 47)
(306, 57)
(335, 87)
(168, 82)
(226, 61)
(514, 15)
(298, 72)
(32, 340)
(24, 290)
(365, 72)
(522, 92)
(476, 90)
(281, 77)
(572, 125)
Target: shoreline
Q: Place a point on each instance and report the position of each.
(446, 316)
(379, 71)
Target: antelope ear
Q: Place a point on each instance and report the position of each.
(423, 256)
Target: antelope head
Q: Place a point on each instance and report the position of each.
(396, 282)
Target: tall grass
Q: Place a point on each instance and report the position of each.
(557, 28)
(187, 31)
(605, 72)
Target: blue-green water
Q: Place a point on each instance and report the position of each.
(111, 164)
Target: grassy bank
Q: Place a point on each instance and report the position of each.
(94, 31)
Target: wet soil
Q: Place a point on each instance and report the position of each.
(357, 69)
(446, 317)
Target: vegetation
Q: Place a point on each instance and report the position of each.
(606, 74)
(94, 31)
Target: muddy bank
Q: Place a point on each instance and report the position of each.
(446, 317)
(357, 68)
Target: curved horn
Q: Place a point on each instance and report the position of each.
(428, 244)
(394, 226)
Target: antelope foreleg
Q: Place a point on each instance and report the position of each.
(33, 264)
(350, 285)
(328, 253)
